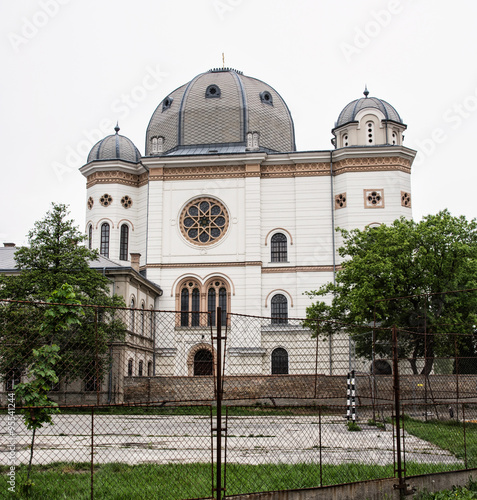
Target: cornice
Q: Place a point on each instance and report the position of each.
(297, 269)
(112, 165)
(203, 264)
(309, 164)
(372, 164)
(113, 177)
(264, 270)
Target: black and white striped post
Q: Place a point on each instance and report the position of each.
(351, 397)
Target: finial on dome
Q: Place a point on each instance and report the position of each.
(117, 127)
(366, 91)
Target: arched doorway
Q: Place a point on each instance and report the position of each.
(203, 362)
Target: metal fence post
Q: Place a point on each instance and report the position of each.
(397, 403)
(397, 410)
(219, 405)
(92, 452)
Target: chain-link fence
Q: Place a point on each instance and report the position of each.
(166, 404)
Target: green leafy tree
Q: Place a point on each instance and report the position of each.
(33, 394)
(397, 275)
(37, 407)
(56, 255)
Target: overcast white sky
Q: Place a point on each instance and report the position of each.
(73, 67)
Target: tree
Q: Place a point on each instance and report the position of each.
(33, 394)
(56, 255)
(398, 275)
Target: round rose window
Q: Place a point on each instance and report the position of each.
(204, 221)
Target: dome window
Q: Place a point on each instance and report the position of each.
(370, 132)
(166, 103)
(253, 141)
(157, 145)
(345, 140)
(212, 91)
(394, 138)
(266, 97)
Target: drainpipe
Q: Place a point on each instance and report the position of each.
(333, 245)
(147, 212)
(333, 217)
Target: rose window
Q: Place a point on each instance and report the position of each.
(204, 221)
(90, 203)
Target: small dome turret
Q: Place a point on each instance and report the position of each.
(368, 121)
(115, 147)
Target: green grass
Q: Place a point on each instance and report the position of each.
(467, 492)
(176, 481)
(448, 435)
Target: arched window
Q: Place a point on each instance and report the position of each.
(217, 297)
(149, 369)
(185, 307)
(278, 245)
(279, 361)
(104, 248)
(195, 316)
(130, 368)
(124, 242)
(223, 305)
(279, 309)
(151, 322)
(139, 369)
(211, 305)
(133, 314)
(203, 361)
(90, 236)
(142, 318)
(193, 299)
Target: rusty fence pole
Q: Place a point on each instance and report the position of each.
(465, 436)
(92, 452)
(96, 357)
(316, 359)
(218, 429)
(397, 404)
(321, 457)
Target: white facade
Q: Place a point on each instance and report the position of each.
(296, 198)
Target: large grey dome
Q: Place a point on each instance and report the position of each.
(216, 112)
(115, 147)
(353, 108)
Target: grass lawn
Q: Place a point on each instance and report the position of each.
(448, 435)
(178, 481)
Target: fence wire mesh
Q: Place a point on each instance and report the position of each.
(180, 405)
